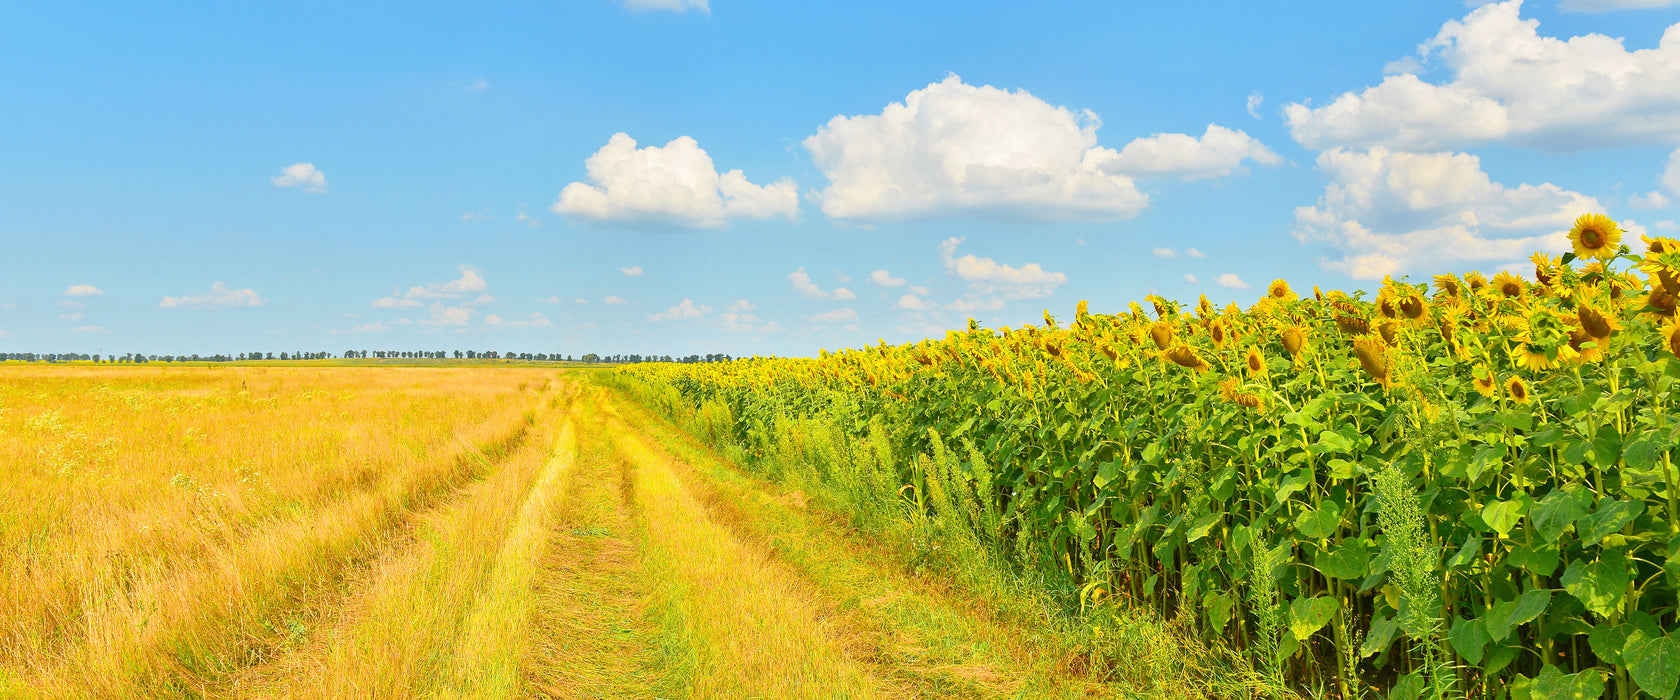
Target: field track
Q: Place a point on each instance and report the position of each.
(596, 551)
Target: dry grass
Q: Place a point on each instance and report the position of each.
(163, 528)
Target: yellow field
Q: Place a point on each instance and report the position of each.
(448, 532)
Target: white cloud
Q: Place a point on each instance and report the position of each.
(4, 335)
(442, 315)
(915, 303)
(220, 297)
(8, 305)
(1219, 152)
(614, 300)
(737, 318)
(920, 291)
(953, 148)
(1254, 100)
(1671, 174)
(555, 299)
(470, 282)
(972, 303)
(1510, 83)
(842, 315)
(479, 85)
(987, 276)
(802, 282)
(1164, 252)
(375, 327)
(1231, 281)
(1650, 200)
(88, 329)
(740, 306)
(580, 300)
(882, 279)
(1192, 252)
(302, 175)
(1190, 278)
(73, 316)
(66, 303)
(1595, 6)
(673, 185)
(483, 299)
(685, 311)
(83, 290)
(679, 6)
(475, 216)
(1389, 212)
(532, 321)
(527, 220)
(1666, 225)
(634, 271)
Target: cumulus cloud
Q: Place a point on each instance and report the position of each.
(470, 282)
(301, 175)
(220, 297)
(1388, 212)
(1650, 200)
(801, 282)
(1666, 225)
(740, 306)
(685, 311)
(1219, 152)
(72, 317)
(633, 271)
(1510, 83)
(843, 315)
(1164, 252)
(554, 299)
(94, 330)
(532, 321)
(83, 290)
(990, 277)
(882, 278)
(610, 301)
(738, 318)
(954, 148)
(1254, 100)
(912, 302)
(675, 184)
(444, 315)
(1192, 252)
(1232, 281)
(971, 303)
(1190, 278)
(679, 6)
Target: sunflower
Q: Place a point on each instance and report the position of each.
(1389, 330)
(1162, 333)
(1294, 340)
(1386, 303)
(1216, 331)
(1163, 307)
(1373, 357)
(1185, 356)
(1204, 308)
(1280, 291)
(1349, 318)
(1661, 302)
(1413, 308)
(1482, 379)
(1255, 361)
(1517, 389)
(1545, 267)
(1587, 348)
(1228, 388)
(1596, 323)
(1447, 286)
(1671, 337)
(1049, 321)
(1475, 281)
(1595, 236)
(1508, 285)
(1251, 401)
(1317, 294)
(1659, 245)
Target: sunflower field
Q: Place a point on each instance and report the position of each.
(1456, 489)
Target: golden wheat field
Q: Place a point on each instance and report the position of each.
(470, 532)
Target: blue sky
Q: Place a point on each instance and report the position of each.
(207, 178)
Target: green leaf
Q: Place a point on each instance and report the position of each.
(1654, 663)
(1200, 528)
(1218, 606)
(1223, 484)
(1598, 585)
(1610, 517)
(1378, 639)
(1319, 522)
(1346, 561)
(1487, 458)
(1471, 550)
(1106, 474)
(1518, 420)
(1538, 558)
(1607, 641)
(1341, 469)
(1641, 454)
(1292, 483)
(1332, 442)
(1507, 615)
(1606, 447)
(1552, 684)
(1307, 615)
(1574, 451)
(1558, 510)
(1504, 515)
(1498, 658)
(1469, 638)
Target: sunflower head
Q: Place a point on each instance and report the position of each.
(1049, 321)
(1318, 295)
(1163, 307)
(1216, 331)
(1204, 307)
(1280, 291)
(1389, 330)
(1661, 302)
(1350, 318)
(1185, 356)
(1659, 245)
(1475, 281)
(1586, 348)
(1373, 358)
(1482, 379)
(1596, 323)
(1545, 267)
(1517, 389)
(1294, 340)
(1162, 333)
(1413, 307)
(1228, 388)
(1595, 236)
(1508, 285)
(1255, 361)
(1252, 402)
(1671, 338)
(1081, 310)
(1447, 286)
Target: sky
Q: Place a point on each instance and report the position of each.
(733, 176)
